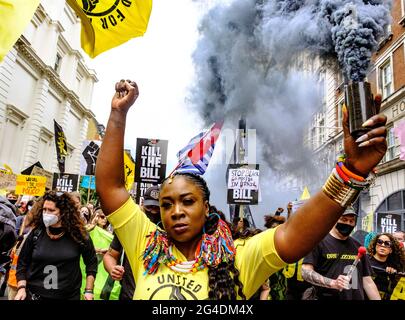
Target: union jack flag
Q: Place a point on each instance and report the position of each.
(194, 157)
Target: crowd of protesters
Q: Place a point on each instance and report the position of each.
(322, 274)
(176, 230)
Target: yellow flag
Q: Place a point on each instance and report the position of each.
(109, 23)
(14, 18)
(305, 194)
(129, 169)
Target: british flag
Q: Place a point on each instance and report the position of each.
(194, 157)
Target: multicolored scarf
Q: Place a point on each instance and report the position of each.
(212, 250)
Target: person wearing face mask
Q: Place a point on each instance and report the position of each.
(49, 262)
(150, 204)
(327, 265)
(12, 197)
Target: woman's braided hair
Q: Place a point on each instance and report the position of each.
(224, 278)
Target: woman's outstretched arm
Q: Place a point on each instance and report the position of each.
(311, 223)
(110, 180)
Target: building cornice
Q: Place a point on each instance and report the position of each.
(390, 166)
(16, 114)
(47, 132)
(40, 15)
(71, 14)
(24, 48)
(89, 72)
(57, 24)
(393, 98)
(382, 57)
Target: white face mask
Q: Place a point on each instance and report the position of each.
(49, 219)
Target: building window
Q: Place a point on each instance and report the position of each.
(321, 137)
(79, 79)
(11, 134)
(386, 79)
(58, 62)
(339, 81)
(45, 144)
(339, 116)
(313, 136)
(393, 146)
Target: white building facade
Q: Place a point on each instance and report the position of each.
(44, 77)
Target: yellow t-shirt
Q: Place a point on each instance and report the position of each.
(256, 259)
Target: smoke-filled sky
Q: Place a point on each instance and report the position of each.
(199, 62)
(250, 61)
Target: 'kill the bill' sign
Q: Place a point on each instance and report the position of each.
(243, 184)
(388, 222)
(65, 182)
(150, 164)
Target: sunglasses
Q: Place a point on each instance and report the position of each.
(384, 243)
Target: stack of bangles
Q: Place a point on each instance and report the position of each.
(344, 186)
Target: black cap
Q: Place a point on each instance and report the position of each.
(348, 211)
(151, 196)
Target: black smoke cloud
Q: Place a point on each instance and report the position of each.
(252, 60)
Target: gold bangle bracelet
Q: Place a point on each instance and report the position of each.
(340, 192)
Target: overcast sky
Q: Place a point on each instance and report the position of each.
(161, 63)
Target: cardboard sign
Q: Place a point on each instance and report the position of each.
(7, 181)
(150, 167)
(65, 182)
(28, 171)
(243, 184)
(30, 185)
(37, 171)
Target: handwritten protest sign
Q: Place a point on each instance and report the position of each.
(7, 181)
(37, 171)
(30, 185)
(243, 184)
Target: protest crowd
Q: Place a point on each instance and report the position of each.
(172, 243)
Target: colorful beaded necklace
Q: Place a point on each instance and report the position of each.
(211, 251)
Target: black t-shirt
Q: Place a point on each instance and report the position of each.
(295, 288)
(333, 257)
(383, 280)
(127, 282)
(42, 258)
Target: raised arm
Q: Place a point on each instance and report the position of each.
(310, 224)
(110, 180)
